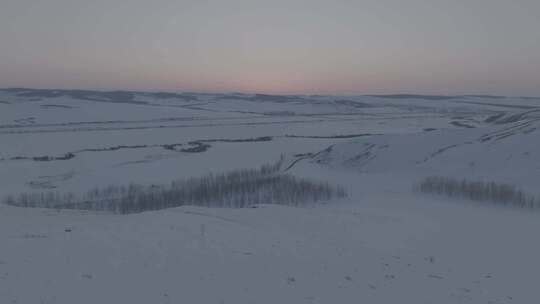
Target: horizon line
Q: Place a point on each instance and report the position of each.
(401, 94)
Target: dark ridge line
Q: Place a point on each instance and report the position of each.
(163, 127)
(254, 139)
(523, 107)
(103, 122)
(486, 96)
(528, 98)
(54, 106)
(442, 150)
(415, 96)
(73, 154)
(330, 136)
(462, 125)
(355, 104)
(198, 146)
(116, 148)
(515, 117)
(168, 94)
(368, 154)
(301, 157)
(494, 118)
(117, 96)
(266, 98)
(514, 129)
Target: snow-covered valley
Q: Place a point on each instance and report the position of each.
(384, 243)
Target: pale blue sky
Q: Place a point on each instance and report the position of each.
(279, 46)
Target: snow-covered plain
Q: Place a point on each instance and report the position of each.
(382, 244)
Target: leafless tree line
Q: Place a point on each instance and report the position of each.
(237, 189)
(502, 194)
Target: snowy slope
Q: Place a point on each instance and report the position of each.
(506, 151)
(382, 244)
(341, 254)
(109, 137)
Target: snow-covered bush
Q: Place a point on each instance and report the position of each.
(240, 188)
(503, 194)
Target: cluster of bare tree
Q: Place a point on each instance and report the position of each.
(502, 194)
(240, 188)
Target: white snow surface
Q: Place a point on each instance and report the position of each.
(382, 244)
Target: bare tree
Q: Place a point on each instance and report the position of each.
(236, 189)
(503, 194)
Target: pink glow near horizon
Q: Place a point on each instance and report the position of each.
(278, 47)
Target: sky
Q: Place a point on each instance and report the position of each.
(274, 46)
